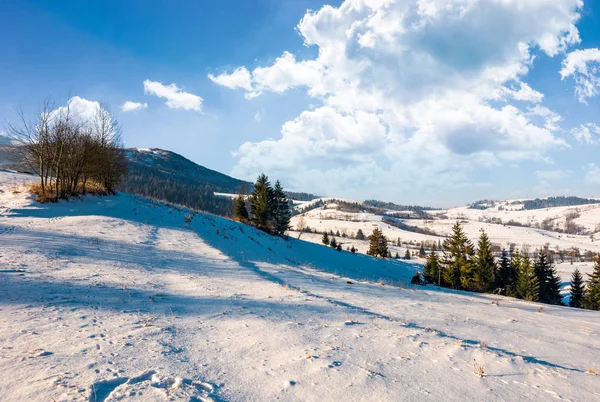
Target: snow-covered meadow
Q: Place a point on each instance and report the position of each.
(123, 298)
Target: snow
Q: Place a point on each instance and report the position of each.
(119, 298)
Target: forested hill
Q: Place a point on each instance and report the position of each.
(168, 176)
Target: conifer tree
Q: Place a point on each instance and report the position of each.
(577, 289)
(591, 298)
(397, 256)
(360, 235)
(422, 251)
(506, 278)
(485, 264)
(548, 278)
(407, 255)
(528, 287)
(378, 244)
(281, 210)
(352, 249)
(431, 270)
(457, 264)
(240, 212)
(262, 203)
(333, 243)
(325, 239)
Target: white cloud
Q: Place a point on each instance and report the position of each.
(79, 109)
(587, 134)
(129, 106)
(584, 67)
(592, 175)
(176, 98)
(557, 174)
(259, 115)
(408, 93)
(239, 79)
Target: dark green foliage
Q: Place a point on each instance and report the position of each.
(281, 210)
(360, 235)
(262, 203)
(552, 202)
(422, 251)
(240, 212)
(591, 298)
(577, 289)
(431, 270)
(325, 239)
(457, 264)
(333, 243)
(407, 255)
(485, 264)
(378, 244)
(548, 278)
(506, 278)
(528, 287)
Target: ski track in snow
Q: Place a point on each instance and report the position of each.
(118, 298)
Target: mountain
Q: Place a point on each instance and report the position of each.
(166, 175)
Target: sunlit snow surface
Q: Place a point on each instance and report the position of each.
(118, 298)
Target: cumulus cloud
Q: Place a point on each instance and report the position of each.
(549, 175)
(584, 67)
(587, 134)
(79, 109)
(129, 106)
(409, 93)
(592, 175)
(175, 96)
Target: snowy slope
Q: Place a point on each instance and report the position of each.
(119, 298)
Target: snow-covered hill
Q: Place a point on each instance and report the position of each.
(122, 298)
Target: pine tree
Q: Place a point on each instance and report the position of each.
(333, 243)
(360, 235)
(422, 251)
(325, 239)
(457, 264)
(528, 287)
(240, 212)
(577, 288)
(262, 203)
(548, 278)
(378, 244)
(591, 298)
(506, 278)
(485, 264)
(431, 270)
(407, 255)
(281, 210)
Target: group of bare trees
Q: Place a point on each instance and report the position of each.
(72, 153)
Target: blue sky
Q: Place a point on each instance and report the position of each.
(396, 100)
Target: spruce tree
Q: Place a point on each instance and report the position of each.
(422, 251)
(548, 278)
(591, 298)
(431, 270)
(506, 278)
(407, 255)
(457, 264)
(378, 244)
(262, 203)
(325, 239)
(577, 289)
(528, 287)
(485, 264)
(281, 210)
(333, 243)
(360, 235)
(240, 212)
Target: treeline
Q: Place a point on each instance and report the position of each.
(552, 202)
(175, 190)
(270, 209)
(70, 155)
(482, 204)
(409, 228)
(419, 210)
(514, 274)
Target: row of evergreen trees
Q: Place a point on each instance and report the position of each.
(270, 209)
(515, 274)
